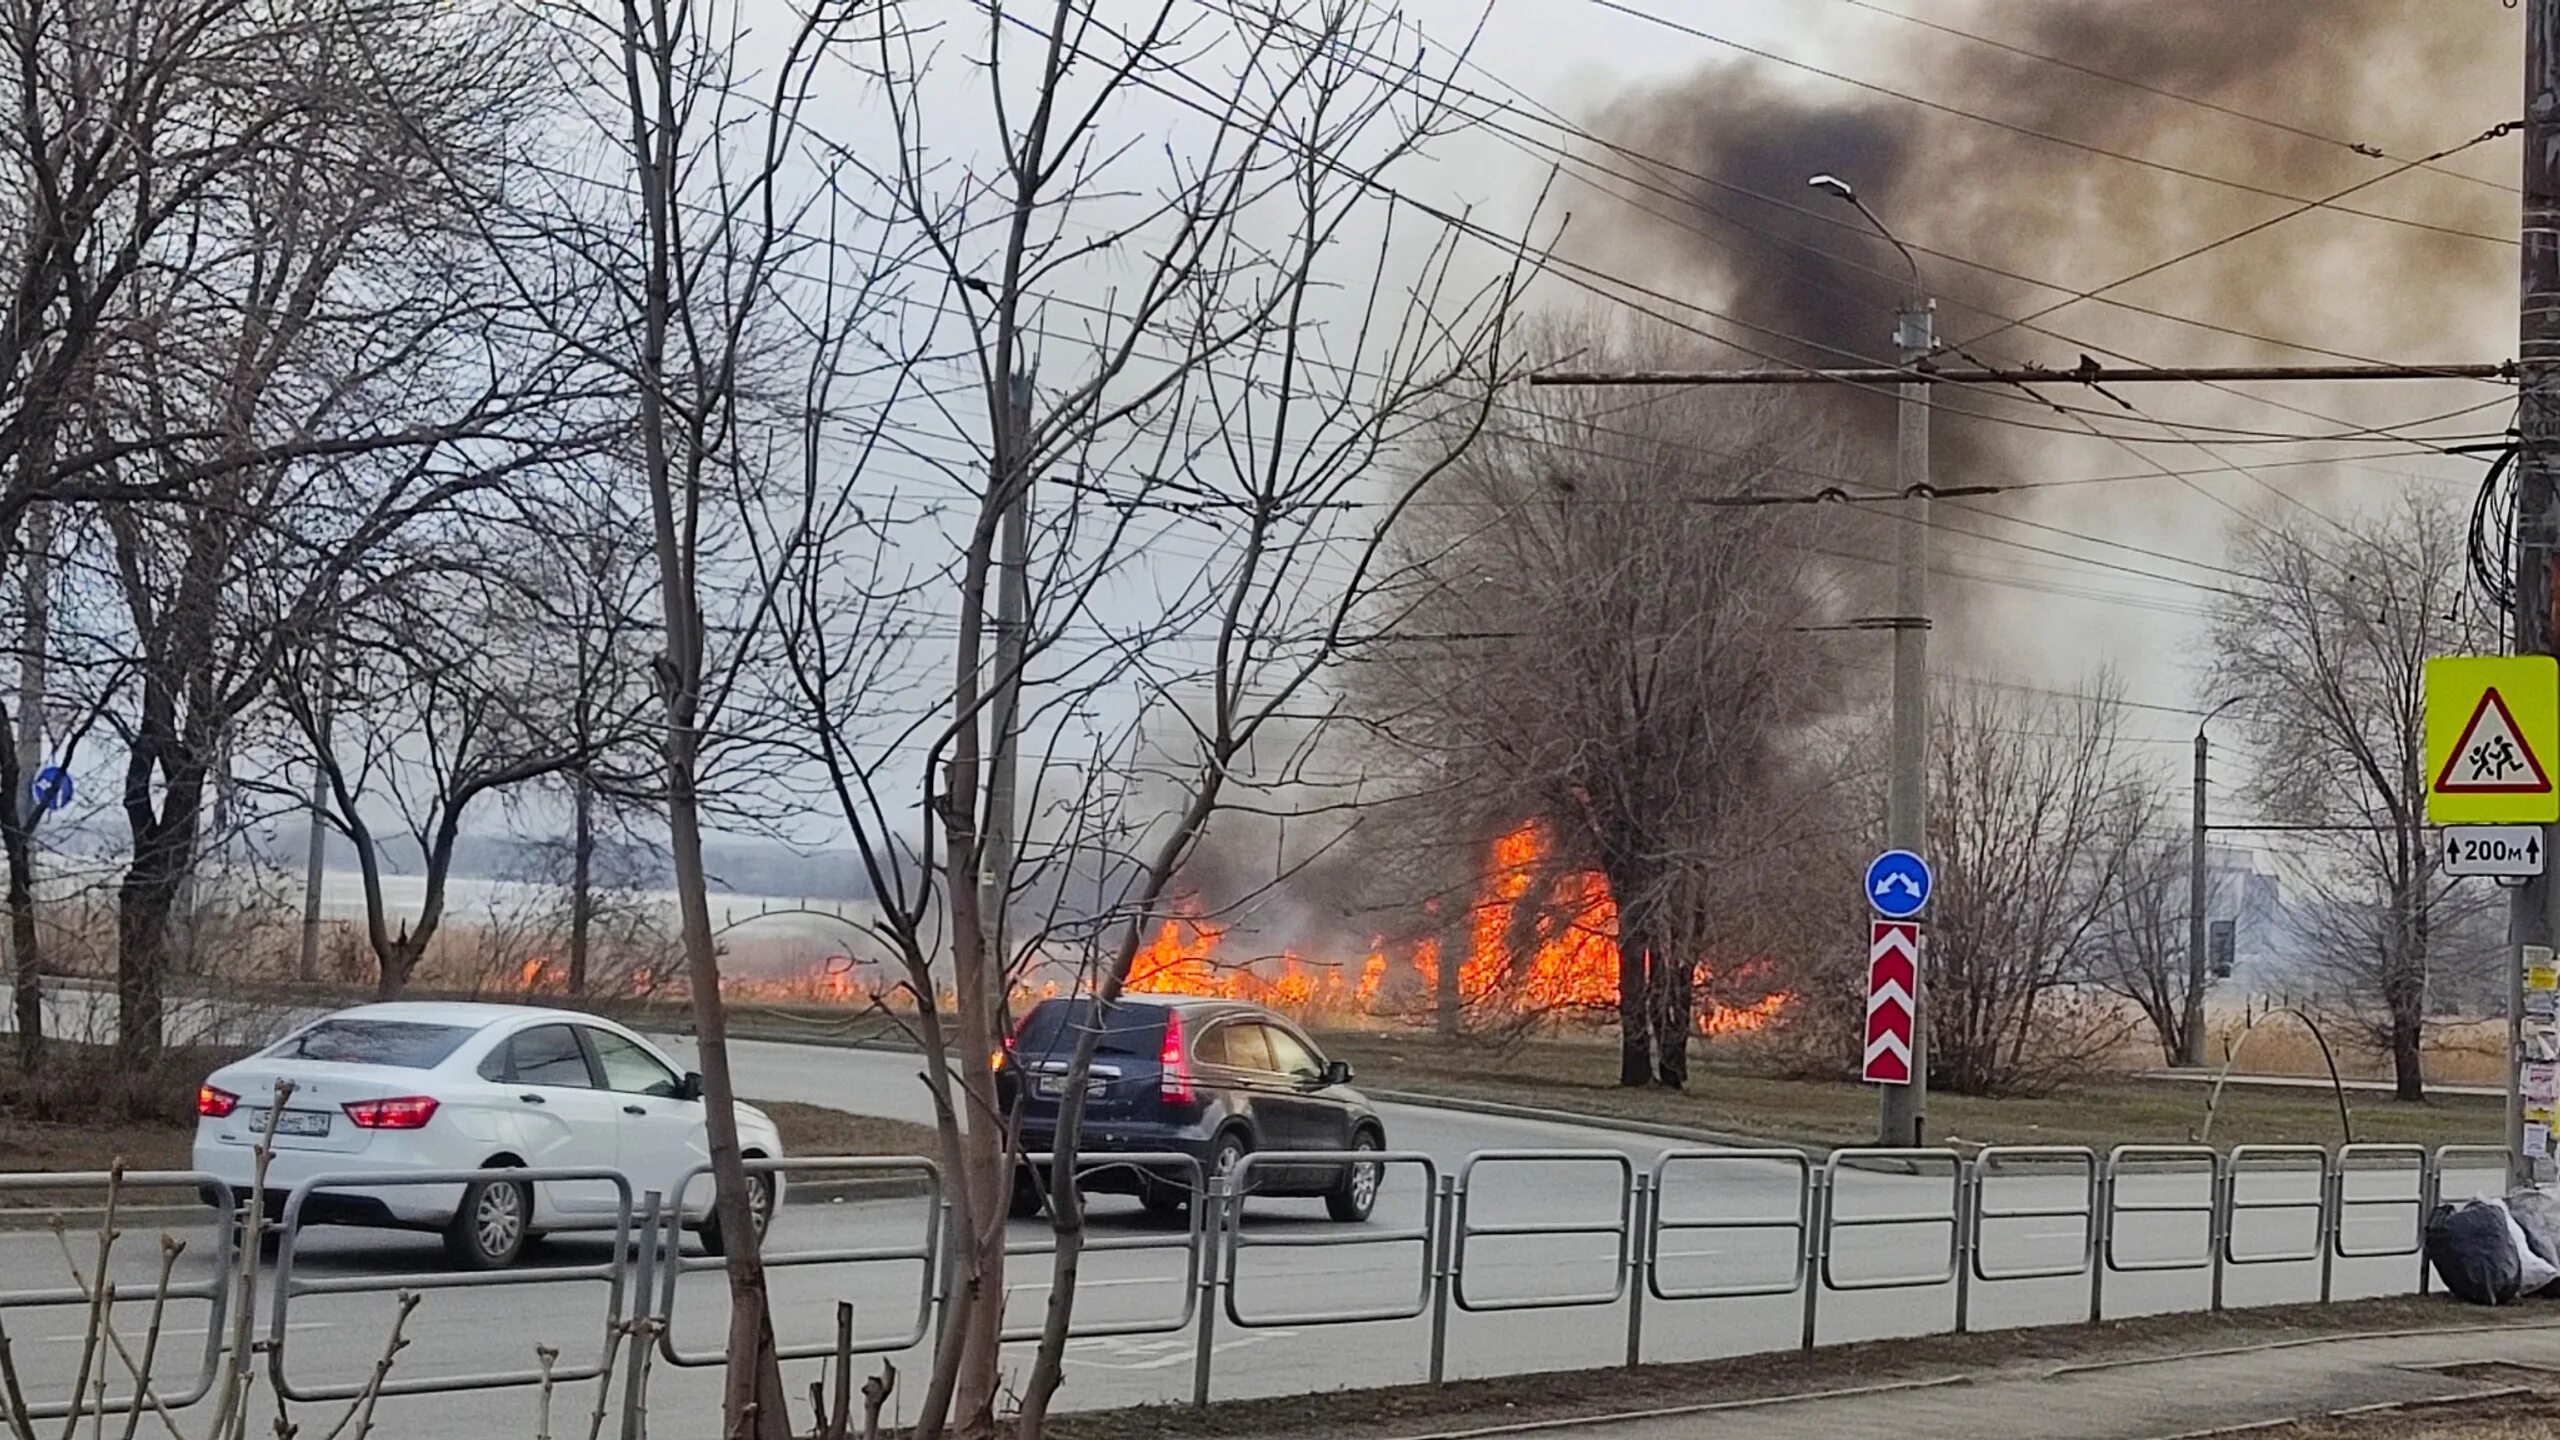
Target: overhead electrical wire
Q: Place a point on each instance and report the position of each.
(2029, 132)
(2370, 152)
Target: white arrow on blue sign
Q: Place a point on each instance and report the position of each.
(52, 787)
(1898, 884)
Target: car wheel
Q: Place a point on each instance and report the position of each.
(759, 1216)
(1224, 1159)
(1161, 1198)
(1027, 1202)
(1356, 1195)
(491, 1228)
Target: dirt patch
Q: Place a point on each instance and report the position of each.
(1565, 1395)
(818, 1130)
(2533, 1416)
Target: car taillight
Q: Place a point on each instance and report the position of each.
(408, 1112)
(213, 1102)
(1176, 1061)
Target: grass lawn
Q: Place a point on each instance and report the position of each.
(1581, 1076)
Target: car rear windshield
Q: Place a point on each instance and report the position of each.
(405, 1044)
(1051, 1029)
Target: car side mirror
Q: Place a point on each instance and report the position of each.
(1338, 1073)
(690, 1087)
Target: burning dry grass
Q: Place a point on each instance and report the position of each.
(1539, 940)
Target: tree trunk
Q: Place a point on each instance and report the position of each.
(1448, 1004)
(1673, 1019)
(26, 974)
(397, 962)
(582, 854)
(2408, 1029)
(1635, 1002)
(143, 905)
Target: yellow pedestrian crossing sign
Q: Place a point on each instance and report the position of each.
(2493, 734)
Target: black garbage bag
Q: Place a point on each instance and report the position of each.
(2473, 1250)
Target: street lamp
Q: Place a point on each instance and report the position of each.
(2191, 1036)
(1904, 1108)
(1835, 186)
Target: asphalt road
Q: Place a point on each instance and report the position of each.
(335, 1338)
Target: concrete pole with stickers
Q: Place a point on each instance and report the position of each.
(2493, 737)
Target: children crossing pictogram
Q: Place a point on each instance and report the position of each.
(2492, 756)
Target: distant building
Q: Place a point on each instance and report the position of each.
(2251, 899)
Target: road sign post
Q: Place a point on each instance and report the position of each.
(1898, 884)
(2493, 736)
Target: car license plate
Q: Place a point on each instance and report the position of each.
(1050, 1087)
(290, 1122)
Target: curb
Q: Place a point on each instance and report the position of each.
(835, 1192)
(1728, 1139)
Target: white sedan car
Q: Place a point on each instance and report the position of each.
(417, 1087)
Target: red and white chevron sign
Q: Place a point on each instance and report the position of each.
(1893, 974)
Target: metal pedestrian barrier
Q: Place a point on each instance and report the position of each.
(2255, 1205)
(1973, 1201)
(613, 1273)
(1238, 1240)
(1795, 1220)
(1187, 1241)
(1896, 1162)
(2163, 1162)
(2243, 1163)
(1619, 1228)
(214, 1288)
(925, 1253)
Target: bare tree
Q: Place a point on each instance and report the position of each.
(140, 136)
(2139, 950)
(1136, 333)
(2024, 807)
(329, 295)
(448, 692)
(1599, 637)
(2325, 645)
(689, 315)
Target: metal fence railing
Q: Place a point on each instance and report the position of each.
(1818, 1232)
(672, 1265)
(1153, 1168)
(214, 1289)
(613, 1273)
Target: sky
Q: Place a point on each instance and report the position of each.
(2028, 150)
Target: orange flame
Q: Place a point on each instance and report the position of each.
(1538, 941)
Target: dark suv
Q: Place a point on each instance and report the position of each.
(1212, 1079)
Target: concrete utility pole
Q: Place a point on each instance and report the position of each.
(2537, 471)
(1905, 1108)
(1906, 815)
(1013, 634)
(2191, 1028)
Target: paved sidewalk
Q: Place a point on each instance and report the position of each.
(2152, 1398)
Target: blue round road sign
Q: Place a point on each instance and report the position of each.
(51, 787)
(1897, 884)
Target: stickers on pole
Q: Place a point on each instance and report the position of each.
(2493, 732)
